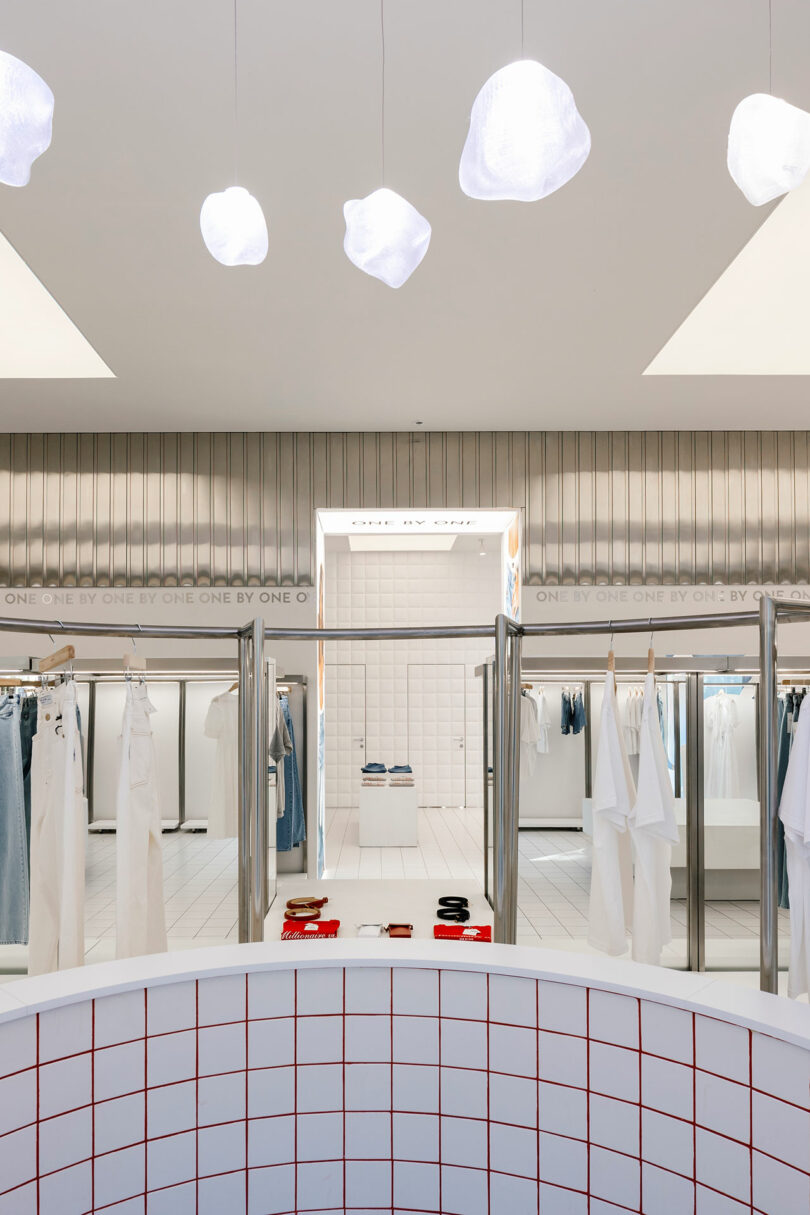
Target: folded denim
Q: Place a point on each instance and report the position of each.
(400, 769)
(374, 768)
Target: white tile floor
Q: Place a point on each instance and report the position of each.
(200, 879)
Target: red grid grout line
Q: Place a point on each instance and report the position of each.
(439, 1010)
(391, 1077)
(196, 1095)
(145, 1093)
(694, 1111)
(587, 1093)
(641, 1119)
(295, 1088)
(489, 1111)
(37, 1107)
(537, 1082)
(342, 1075)
(93, 1101)
(247, 1075)
(750, 1118)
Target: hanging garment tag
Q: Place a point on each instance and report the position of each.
(295, 930)
(459, 932)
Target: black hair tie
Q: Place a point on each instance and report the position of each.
(453, 900)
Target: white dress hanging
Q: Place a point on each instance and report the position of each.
(794, 811)
(611, 901)
(222, 723)
(722, 776)
(653, 830)
(543, 721)
(530, 733)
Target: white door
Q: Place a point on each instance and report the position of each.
(437, 732)
(345, 732)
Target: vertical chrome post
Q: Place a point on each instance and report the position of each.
(485, 670)
(500, 728)
(768, 789)
(586, 704)
(676, 730)
(181, 750)
(245, 772)
(258, 782)
(513, 803)
(695, 871)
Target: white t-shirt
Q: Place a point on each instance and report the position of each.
(222, 723)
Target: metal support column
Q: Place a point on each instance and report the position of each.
(245, 774)
(695, 871)
(513, 803)
(485, 676)
(768, 907)
(500, 727)
(258, 783)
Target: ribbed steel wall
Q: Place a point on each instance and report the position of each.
(163, 509)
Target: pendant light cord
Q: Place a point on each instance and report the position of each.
(382, 91)
(235, 97)
(522, 29)
(770, 46)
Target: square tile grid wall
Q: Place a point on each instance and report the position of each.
(405, 588)
(402, 1090)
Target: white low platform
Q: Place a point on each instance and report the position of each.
(364, 901)
(387, 816)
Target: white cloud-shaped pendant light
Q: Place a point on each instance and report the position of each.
(234, 228)
(768, 147)
(385, 236)
(526, 137)
(26, 117)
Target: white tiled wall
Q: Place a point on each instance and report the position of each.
(368, 683)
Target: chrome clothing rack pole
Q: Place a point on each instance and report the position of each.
(244, 778)
(513, 804)
(768, 796)
(257, 757)
(500, 789)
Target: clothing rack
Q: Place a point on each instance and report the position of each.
(508, 636)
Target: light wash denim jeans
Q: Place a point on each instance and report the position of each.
(14, 883)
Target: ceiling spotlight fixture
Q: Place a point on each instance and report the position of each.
(768, 142)
(232, 221)
(768, 147)
(26, 117)
(386, 236)
(526, 137)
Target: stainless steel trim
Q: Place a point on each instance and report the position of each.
(485, 750)
(659, 624)
(676, 729)
(245, 774)
(513, 803)
(90, 777)
(695, 871)
(257, 758)
(181, 751)
(588, 739)
(500, 779)
(768, 911)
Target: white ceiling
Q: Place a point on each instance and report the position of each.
(530, 316)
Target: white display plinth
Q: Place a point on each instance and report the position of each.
(387, 817)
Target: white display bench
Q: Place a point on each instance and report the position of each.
(387, 816)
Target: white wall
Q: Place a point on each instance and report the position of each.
(367, 683)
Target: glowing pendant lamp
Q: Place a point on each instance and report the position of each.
(26, 116)
(526, 136)
(385, 236)
(768, 147)
(234, 228)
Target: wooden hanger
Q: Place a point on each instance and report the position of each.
(651, 661)
(233, 688)
(611, 664)
(58, 659)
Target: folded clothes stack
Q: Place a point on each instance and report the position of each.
(377, 775)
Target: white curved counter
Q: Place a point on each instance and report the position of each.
(403, 1077)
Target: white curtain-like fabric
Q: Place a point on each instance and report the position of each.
(653, 830)
(58, 835)
(794, 811)
(140, 908)
(611, 901)
(222, 723)
(722, 776)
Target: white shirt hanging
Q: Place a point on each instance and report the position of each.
(543, 720)
(530, 732)
(794, 811)
(222, 723)
(611, 901)
(722, 775)
(653, 830)
(632, 721)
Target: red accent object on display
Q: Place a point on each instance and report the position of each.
(295, 930)
(461, 932)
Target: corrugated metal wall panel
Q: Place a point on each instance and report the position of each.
(235, 509)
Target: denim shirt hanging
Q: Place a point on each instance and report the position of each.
(291, 828)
